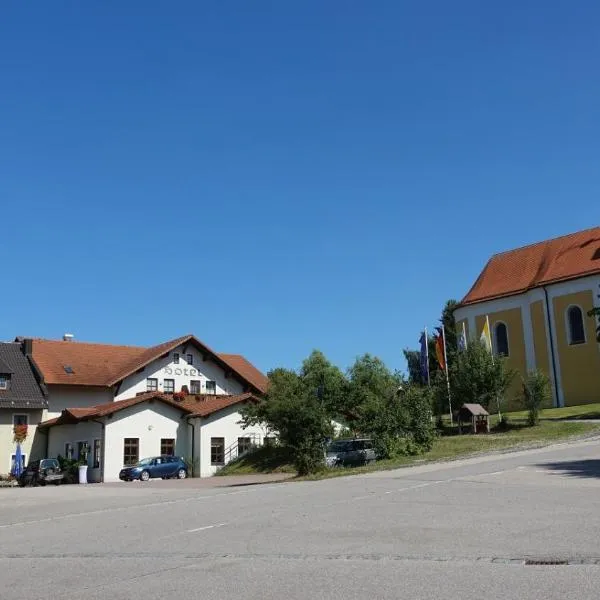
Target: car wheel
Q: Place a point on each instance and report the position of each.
(57, 482)
(181, 474)
(145, 476)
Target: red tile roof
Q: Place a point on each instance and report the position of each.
(105, 365)
(516, 271)
(245, 368)
(196, 406)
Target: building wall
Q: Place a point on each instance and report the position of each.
(61, 397)
(182, 373)
(88, 431)
(580, 363)
(34, 445)
(516, 359)
(224, 424)
(149, 422)
(577, 367)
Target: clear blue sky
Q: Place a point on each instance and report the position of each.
(281, 176)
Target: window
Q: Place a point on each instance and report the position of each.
(211, 387)
(176, 357)
(69, 451)
(169, 386)
(217, 451)
(151, 384)
(244, 445)
(97, 454)
(190, 359)
(167, 447)
(575, 327)
(4, 382)
(82, 450)
(20, 420)
(501, 338)
(131, 451)
(195, 387)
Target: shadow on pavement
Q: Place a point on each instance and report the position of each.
(575, 468)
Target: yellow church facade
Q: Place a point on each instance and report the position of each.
(537, 300)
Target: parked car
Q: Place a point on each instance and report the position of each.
(41, 472)
(157, 466)
(350, 453)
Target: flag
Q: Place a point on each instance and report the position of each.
(424, 357)
(486, 338)
(440, 350)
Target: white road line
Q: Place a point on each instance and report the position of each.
(206, 527)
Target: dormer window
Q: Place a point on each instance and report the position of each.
(4, 381)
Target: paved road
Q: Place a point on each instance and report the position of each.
(457, 530)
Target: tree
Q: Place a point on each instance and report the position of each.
(536, 393)
(395, 414)
(325, 381)
(478, 377)
(399, 423)
(595, 312)
(293, 409)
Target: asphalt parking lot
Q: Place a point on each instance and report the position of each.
(471, 529)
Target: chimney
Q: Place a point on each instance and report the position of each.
(68, 337)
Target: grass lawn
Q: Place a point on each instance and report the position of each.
(273, 460)
(585, 411)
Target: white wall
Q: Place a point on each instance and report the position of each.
(70, 396)
(149, 422)
(34, 445)
(225, 424)
(182, 373)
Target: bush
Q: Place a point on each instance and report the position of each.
(536, 393)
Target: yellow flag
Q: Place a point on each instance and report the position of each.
(486, 338)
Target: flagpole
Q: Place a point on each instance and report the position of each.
(427, 355)
(447, 375)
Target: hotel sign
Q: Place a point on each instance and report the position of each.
(179, 371)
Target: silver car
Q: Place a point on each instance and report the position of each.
(346, 453)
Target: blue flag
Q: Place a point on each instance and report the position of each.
(424, 358)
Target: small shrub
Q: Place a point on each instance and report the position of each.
(536, 393)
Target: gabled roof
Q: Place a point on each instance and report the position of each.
(194, 406)
(105, 365)
(238, 363)
(517, 271)
(24, 390)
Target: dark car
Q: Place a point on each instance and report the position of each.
(157, 466)
(348, 453)
(41, 472)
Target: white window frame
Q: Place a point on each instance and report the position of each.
(4, 378)
(176, 358)
(214, 392)
(72, 450)
(199, 382)
(568, 325)
(148, 380)
(172, 390)
(495, 339)
(26, 415)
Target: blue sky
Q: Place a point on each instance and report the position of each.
(281, 176)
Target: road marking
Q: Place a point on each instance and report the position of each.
(206, 527)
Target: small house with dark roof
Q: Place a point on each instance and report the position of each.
(538, 300)
(112, 405)
(22, 405)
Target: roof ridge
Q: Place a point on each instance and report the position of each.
(543, 242)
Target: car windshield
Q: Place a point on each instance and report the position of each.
(145, 462)
(50, 463)
(339, 447)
